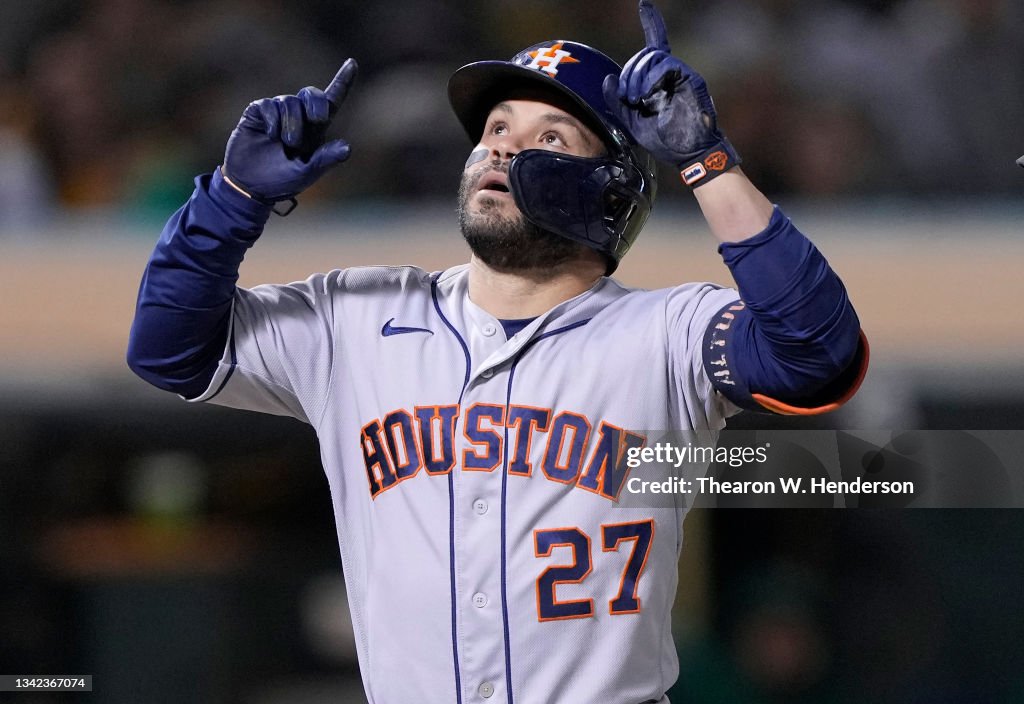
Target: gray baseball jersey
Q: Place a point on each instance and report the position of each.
(475, 480)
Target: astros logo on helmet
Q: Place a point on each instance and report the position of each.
(547, 58)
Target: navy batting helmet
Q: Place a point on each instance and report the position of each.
(600, 202)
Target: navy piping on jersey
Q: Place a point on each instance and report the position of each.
(504, 494)
(231, 369)
(451, 498)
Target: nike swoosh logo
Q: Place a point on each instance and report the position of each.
(390, 329)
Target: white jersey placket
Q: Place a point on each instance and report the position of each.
(479, 548)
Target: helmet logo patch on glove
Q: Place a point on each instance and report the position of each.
(716, 161)
(547, 58)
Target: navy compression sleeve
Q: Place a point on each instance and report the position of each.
(795, 340)
(183, 312)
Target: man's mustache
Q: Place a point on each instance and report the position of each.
(496, 165)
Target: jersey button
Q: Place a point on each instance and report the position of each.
(487, 373)
(486, 690)
(480, 506)
(479, 600)
(489, 329)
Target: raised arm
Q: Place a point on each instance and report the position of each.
(794, 344)
(183, 312)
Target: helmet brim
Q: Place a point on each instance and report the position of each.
(476, 88)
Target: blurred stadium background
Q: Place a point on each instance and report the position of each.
(187, 554)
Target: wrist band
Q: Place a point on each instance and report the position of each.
(712, 163)
(292, 202)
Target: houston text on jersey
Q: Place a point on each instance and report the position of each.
(398, 446)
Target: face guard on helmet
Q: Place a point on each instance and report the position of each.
(600, 202)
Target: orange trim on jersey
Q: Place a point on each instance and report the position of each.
(554, 584)
(625, 568)
(783, 408)
(436, 415)
(532, 426)
(480, 444)
(390, 431)
(561, 442)
(602, 469)
(364, 438)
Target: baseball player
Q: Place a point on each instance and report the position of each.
(473, 422)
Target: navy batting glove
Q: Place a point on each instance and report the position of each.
(279, 148)
(666, 106)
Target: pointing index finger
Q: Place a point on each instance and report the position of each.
(655, 34)
(339, 86)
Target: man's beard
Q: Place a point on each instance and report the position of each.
(508, 242)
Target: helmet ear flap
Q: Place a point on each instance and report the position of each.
(600, 202)
(619, 205)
